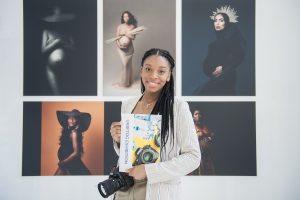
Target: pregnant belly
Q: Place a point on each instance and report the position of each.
(124, 41)
(57, 56)
(64, 152)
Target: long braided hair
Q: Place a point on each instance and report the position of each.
(165, 102)
(65, 140)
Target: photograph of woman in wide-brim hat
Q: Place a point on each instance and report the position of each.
(73, 124)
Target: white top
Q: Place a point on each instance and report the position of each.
(182, 158)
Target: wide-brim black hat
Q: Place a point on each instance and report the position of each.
(84, 119)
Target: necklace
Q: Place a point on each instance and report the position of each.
(146, 105)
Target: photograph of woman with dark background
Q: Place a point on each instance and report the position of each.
(225, 54)
(222, 62)
(205, 138)
(60, 47)
(227, 137)
(57, 46)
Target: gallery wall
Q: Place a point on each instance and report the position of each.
(277, 108)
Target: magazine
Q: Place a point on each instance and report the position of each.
(140, 140)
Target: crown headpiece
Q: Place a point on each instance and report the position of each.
(228, 11)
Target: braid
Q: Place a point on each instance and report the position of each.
(165, 102)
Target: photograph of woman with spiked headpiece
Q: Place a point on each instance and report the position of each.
(222, 35)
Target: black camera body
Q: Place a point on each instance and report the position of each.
(116, 181)
(122, 181)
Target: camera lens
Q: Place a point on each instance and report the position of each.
(117, 181)
(108, 187)
(103, 190)
(147, 157)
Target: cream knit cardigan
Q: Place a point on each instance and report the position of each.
(164, 177)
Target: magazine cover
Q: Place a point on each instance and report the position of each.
(140, 140)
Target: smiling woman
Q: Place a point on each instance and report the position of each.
(179, 142)
(155, 72)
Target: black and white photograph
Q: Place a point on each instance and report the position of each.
(60, 48)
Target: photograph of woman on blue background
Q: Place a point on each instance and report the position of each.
(218, 48)
(138, 25)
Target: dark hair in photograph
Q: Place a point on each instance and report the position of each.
(131, 20)
(165, 102)
(65, 138)
(202, 119)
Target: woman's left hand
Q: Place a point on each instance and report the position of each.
(138, 172)
(61, 164)
(218, 71)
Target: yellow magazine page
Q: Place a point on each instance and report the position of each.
(140, 140)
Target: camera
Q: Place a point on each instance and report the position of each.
(145, 155)
(116, 181)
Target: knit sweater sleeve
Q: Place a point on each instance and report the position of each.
(189, 157)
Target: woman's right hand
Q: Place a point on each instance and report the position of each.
(115, 131)
(120, 46)
(218, 71)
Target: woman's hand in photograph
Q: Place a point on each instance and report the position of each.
(218, 71)
(61, 164)
(115, 131)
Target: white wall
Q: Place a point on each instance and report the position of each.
(277, 116)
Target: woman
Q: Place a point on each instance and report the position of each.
(180, 152)
(225, 54)
(125, 47)
(57, 44)
(73, 123)
(205, 141)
